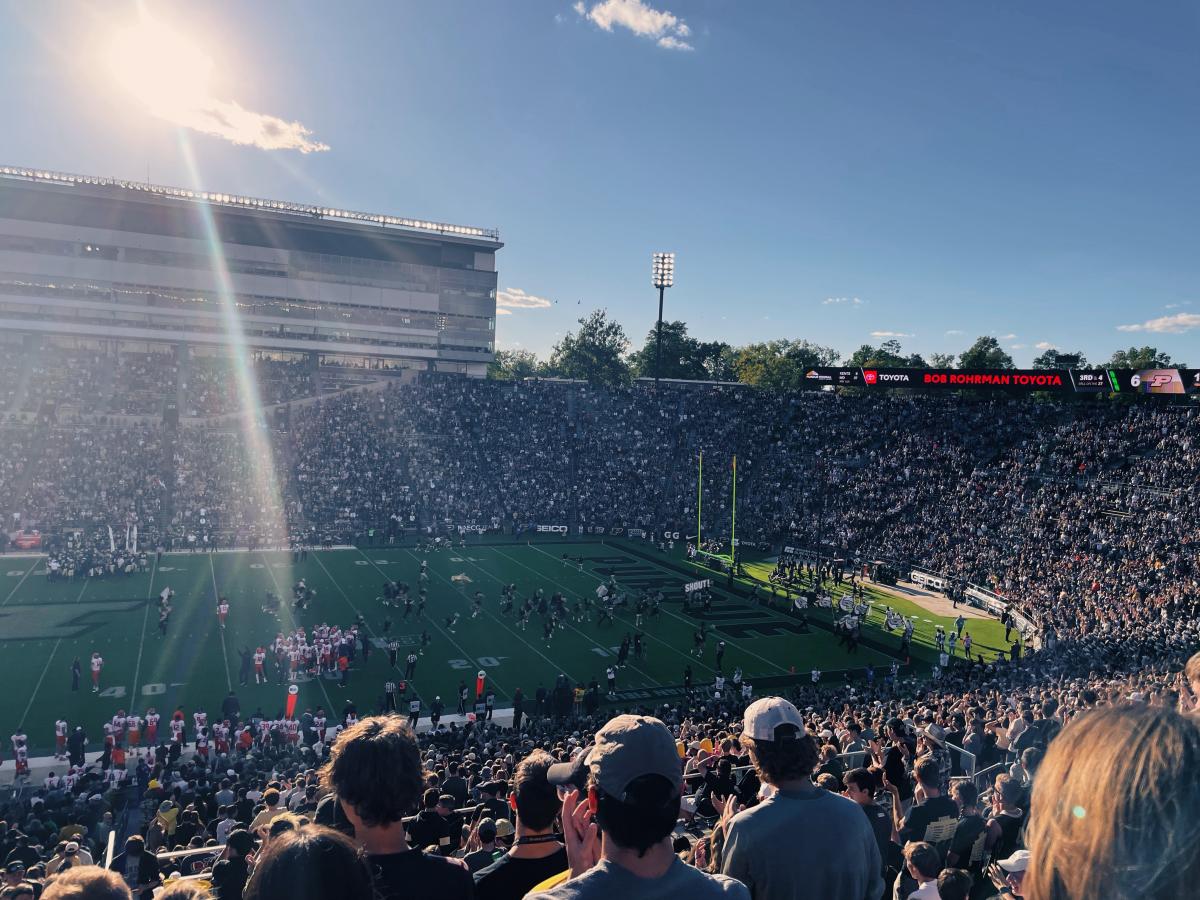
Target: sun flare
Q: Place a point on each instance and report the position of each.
(164, 70)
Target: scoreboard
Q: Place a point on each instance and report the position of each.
(1062, 381)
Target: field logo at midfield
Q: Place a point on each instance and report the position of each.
(52, 621)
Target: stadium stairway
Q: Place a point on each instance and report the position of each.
(21, 391)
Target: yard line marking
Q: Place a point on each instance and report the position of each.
(22, 581)
(145, 616)
(650, 682)
(320, 680)
(217, 599)
(682, 619)
(503, 624)
(37, 687)
(357, 612)
(433, 619)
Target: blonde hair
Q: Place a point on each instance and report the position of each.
(1114, 809)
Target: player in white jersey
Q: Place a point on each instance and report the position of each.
(260, 657)
(97, 665)
(152, 720)
(60, 739)
(177, 731)
(133, 731)
(118, 726)
(222, 612)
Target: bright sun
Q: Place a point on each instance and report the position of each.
(161, 68)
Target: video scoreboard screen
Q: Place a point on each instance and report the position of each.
(1112, 381)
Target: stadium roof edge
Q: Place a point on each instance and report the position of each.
(260, 204)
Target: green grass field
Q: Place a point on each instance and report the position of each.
(44, 626)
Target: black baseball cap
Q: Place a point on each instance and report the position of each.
(571, 774)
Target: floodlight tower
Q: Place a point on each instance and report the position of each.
(664, 277)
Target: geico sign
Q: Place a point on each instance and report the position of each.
(553, 529)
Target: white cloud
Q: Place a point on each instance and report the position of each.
(664, 27)
(955, 331)
(1017, 346)
(1179, 323)
(890, 334)
(831, 301)
(1045, 345)
(1008, 337)
(1177, 305)
(515, 298)
(670, 42)
(170, 76)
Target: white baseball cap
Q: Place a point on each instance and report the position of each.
(764, 716)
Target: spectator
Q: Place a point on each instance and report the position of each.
(1115, 809)
(138, 867)
(923, 864)
(86, 883)
(831, 852)
(231, 871)
(312, 863)
(537, 854)
(619, 840)
(375, 771)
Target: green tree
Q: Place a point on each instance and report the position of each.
(888, 355)
(1140, 358)
(985, 353)
(596, 352)
(941, 360)
(1056, 359)
(717, 358)
(682, 355)
(513, 365)
(780, 364)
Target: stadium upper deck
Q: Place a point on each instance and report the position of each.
(91, 260)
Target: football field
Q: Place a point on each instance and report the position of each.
(44, 626)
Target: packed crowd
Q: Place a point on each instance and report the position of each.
(1055, 507)
(1024, 783)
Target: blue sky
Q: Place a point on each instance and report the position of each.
(840, 172)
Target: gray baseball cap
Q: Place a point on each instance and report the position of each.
(628, 747)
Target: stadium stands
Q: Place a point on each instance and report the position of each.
(1082, 515)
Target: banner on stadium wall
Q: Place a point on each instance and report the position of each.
(617, 530)
(470, 529)
(929, 581)
(636, 532)
(552, 529)
(697, 585)
(1070, 381)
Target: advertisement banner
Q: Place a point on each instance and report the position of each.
(551, 529)
(1117, 381)
(929, 581)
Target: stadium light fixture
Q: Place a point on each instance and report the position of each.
(283, 206)
(663, 272)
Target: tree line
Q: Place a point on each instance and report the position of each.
(599, 351)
